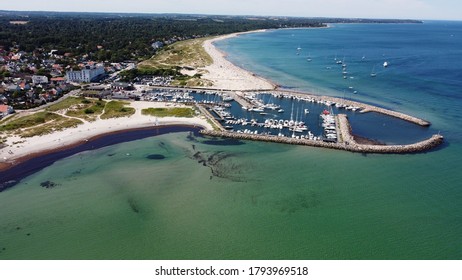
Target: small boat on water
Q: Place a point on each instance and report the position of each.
(256, 109)
(307, 111)
(385, 64)
(373, 74)
(227, 98)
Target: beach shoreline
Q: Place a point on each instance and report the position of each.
(17, 149)
(5, 165)
(14, 172)
(227, 76)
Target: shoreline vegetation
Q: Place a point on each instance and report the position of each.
(92, 118)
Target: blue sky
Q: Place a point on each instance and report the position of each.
(412, 9)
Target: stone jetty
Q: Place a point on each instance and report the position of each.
(396, 115)
(345, 142)
(349, 143)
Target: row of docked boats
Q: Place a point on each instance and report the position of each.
(308, 136)
(298, 129)
(221, 112)
(347, 107)
(329, 126)
(260, 106)
(271, 124)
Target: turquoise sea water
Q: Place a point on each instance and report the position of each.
(180, 197)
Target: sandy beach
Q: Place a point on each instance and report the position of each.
(17, 147)
(228, 76)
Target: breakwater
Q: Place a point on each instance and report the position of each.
(366, 108)
(346, 141)
(349, 143)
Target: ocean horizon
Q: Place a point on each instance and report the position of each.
(183, 196)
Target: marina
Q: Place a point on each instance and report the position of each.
(291, 117)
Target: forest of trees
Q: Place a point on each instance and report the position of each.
(120, 36)
(126, 36)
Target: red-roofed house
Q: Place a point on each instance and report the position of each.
(24, 86)
(6, 110)
(58, 80)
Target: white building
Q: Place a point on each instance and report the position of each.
(87, 75)
(37, 80)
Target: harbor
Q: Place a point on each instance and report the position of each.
(290, 117)
(347, 142)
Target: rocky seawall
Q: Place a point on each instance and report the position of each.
(345, 142)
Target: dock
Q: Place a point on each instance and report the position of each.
(239, 98)
(217, 125)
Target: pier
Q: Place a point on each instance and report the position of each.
(239, 98)
(210, 118)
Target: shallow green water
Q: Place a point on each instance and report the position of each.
(250, 201)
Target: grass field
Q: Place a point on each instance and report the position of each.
(79, 107)
(169, 112)
(117, 109)
(189, 53)
(38, 124)
(69, 112)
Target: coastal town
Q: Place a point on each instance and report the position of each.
(238, 104)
